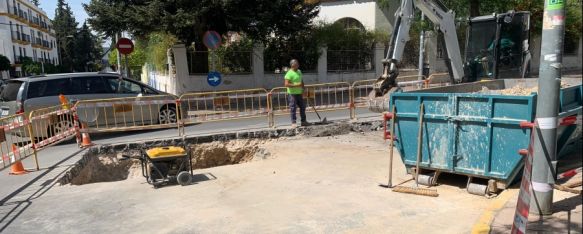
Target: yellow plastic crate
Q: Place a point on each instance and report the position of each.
(166, 152)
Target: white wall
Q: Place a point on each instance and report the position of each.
(183, 82)
(362, 10)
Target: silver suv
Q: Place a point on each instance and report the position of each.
(23, 95)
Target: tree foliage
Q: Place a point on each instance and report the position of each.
(65, 29)
(306, 46)
(4, 63)
(151, 49)
(188, 20)
(78, 47)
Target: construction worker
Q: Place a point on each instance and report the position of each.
(295, 89)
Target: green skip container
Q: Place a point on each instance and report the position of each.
(473, 129)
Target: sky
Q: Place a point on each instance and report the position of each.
(80, 15)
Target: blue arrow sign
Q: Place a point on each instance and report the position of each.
(214, 78)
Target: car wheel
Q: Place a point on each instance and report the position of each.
(167, 115)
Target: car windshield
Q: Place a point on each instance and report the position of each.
(10, 91)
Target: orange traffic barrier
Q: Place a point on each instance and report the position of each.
(17, 168)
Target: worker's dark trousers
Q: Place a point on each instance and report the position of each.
(295, 101)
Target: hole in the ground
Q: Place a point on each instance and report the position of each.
(112, 167)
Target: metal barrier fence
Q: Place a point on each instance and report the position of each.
(325, 97)
(15, 140)
(223, 105)
(131, 113)
(21, 137)
(52, 125)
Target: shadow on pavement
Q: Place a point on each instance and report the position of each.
(196, 178)
(18, 201)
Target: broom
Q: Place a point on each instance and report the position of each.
(416, 190)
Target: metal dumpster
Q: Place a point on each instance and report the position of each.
(471, 130)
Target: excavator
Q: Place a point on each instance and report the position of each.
(497, 46)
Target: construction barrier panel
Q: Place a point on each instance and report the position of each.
(15, 140)
(52, 125)
(224, 105)
(322, 97)
(21, 137)
(131, 113)
(325, 97)
(361, 92)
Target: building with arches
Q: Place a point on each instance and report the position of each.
(362, 14)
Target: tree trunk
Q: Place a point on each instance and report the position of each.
(474, 8)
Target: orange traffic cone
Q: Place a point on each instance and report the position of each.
(17, 168)
(86, 140)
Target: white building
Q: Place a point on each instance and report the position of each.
(26, 32)
(364, 14)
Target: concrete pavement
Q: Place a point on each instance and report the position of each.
(305, 186)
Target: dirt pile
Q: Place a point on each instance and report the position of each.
(107, 168)
(518, 90)
(221, 153)
(328, 130)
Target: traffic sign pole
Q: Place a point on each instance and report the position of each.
(125, 46)
(127, 66)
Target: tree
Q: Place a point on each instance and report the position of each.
(65, 29)
(86, 50)
(189, 20)
(4, 63)
(31, 67)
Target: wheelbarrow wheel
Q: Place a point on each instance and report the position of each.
(184, 178)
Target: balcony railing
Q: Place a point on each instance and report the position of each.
(37, 41)
(15, 35)
(35, 21)
(25, 37)
(20, 36)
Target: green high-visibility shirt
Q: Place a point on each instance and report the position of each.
(294, 77)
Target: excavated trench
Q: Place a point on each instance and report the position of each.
(107, 163)
(112, 167)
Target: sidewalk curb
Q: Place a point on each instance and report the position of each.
(483, 225)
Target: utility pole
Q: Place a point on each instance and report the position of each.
(547, 108)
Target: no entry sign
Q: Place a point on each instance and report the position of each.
(212, 39)
(125, 46)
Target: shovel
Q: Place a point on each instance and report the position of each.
(322, 121)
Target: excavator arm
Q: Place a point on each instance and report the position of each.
(442, 18)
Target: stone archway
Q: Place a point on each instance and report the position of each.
(350, 23)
